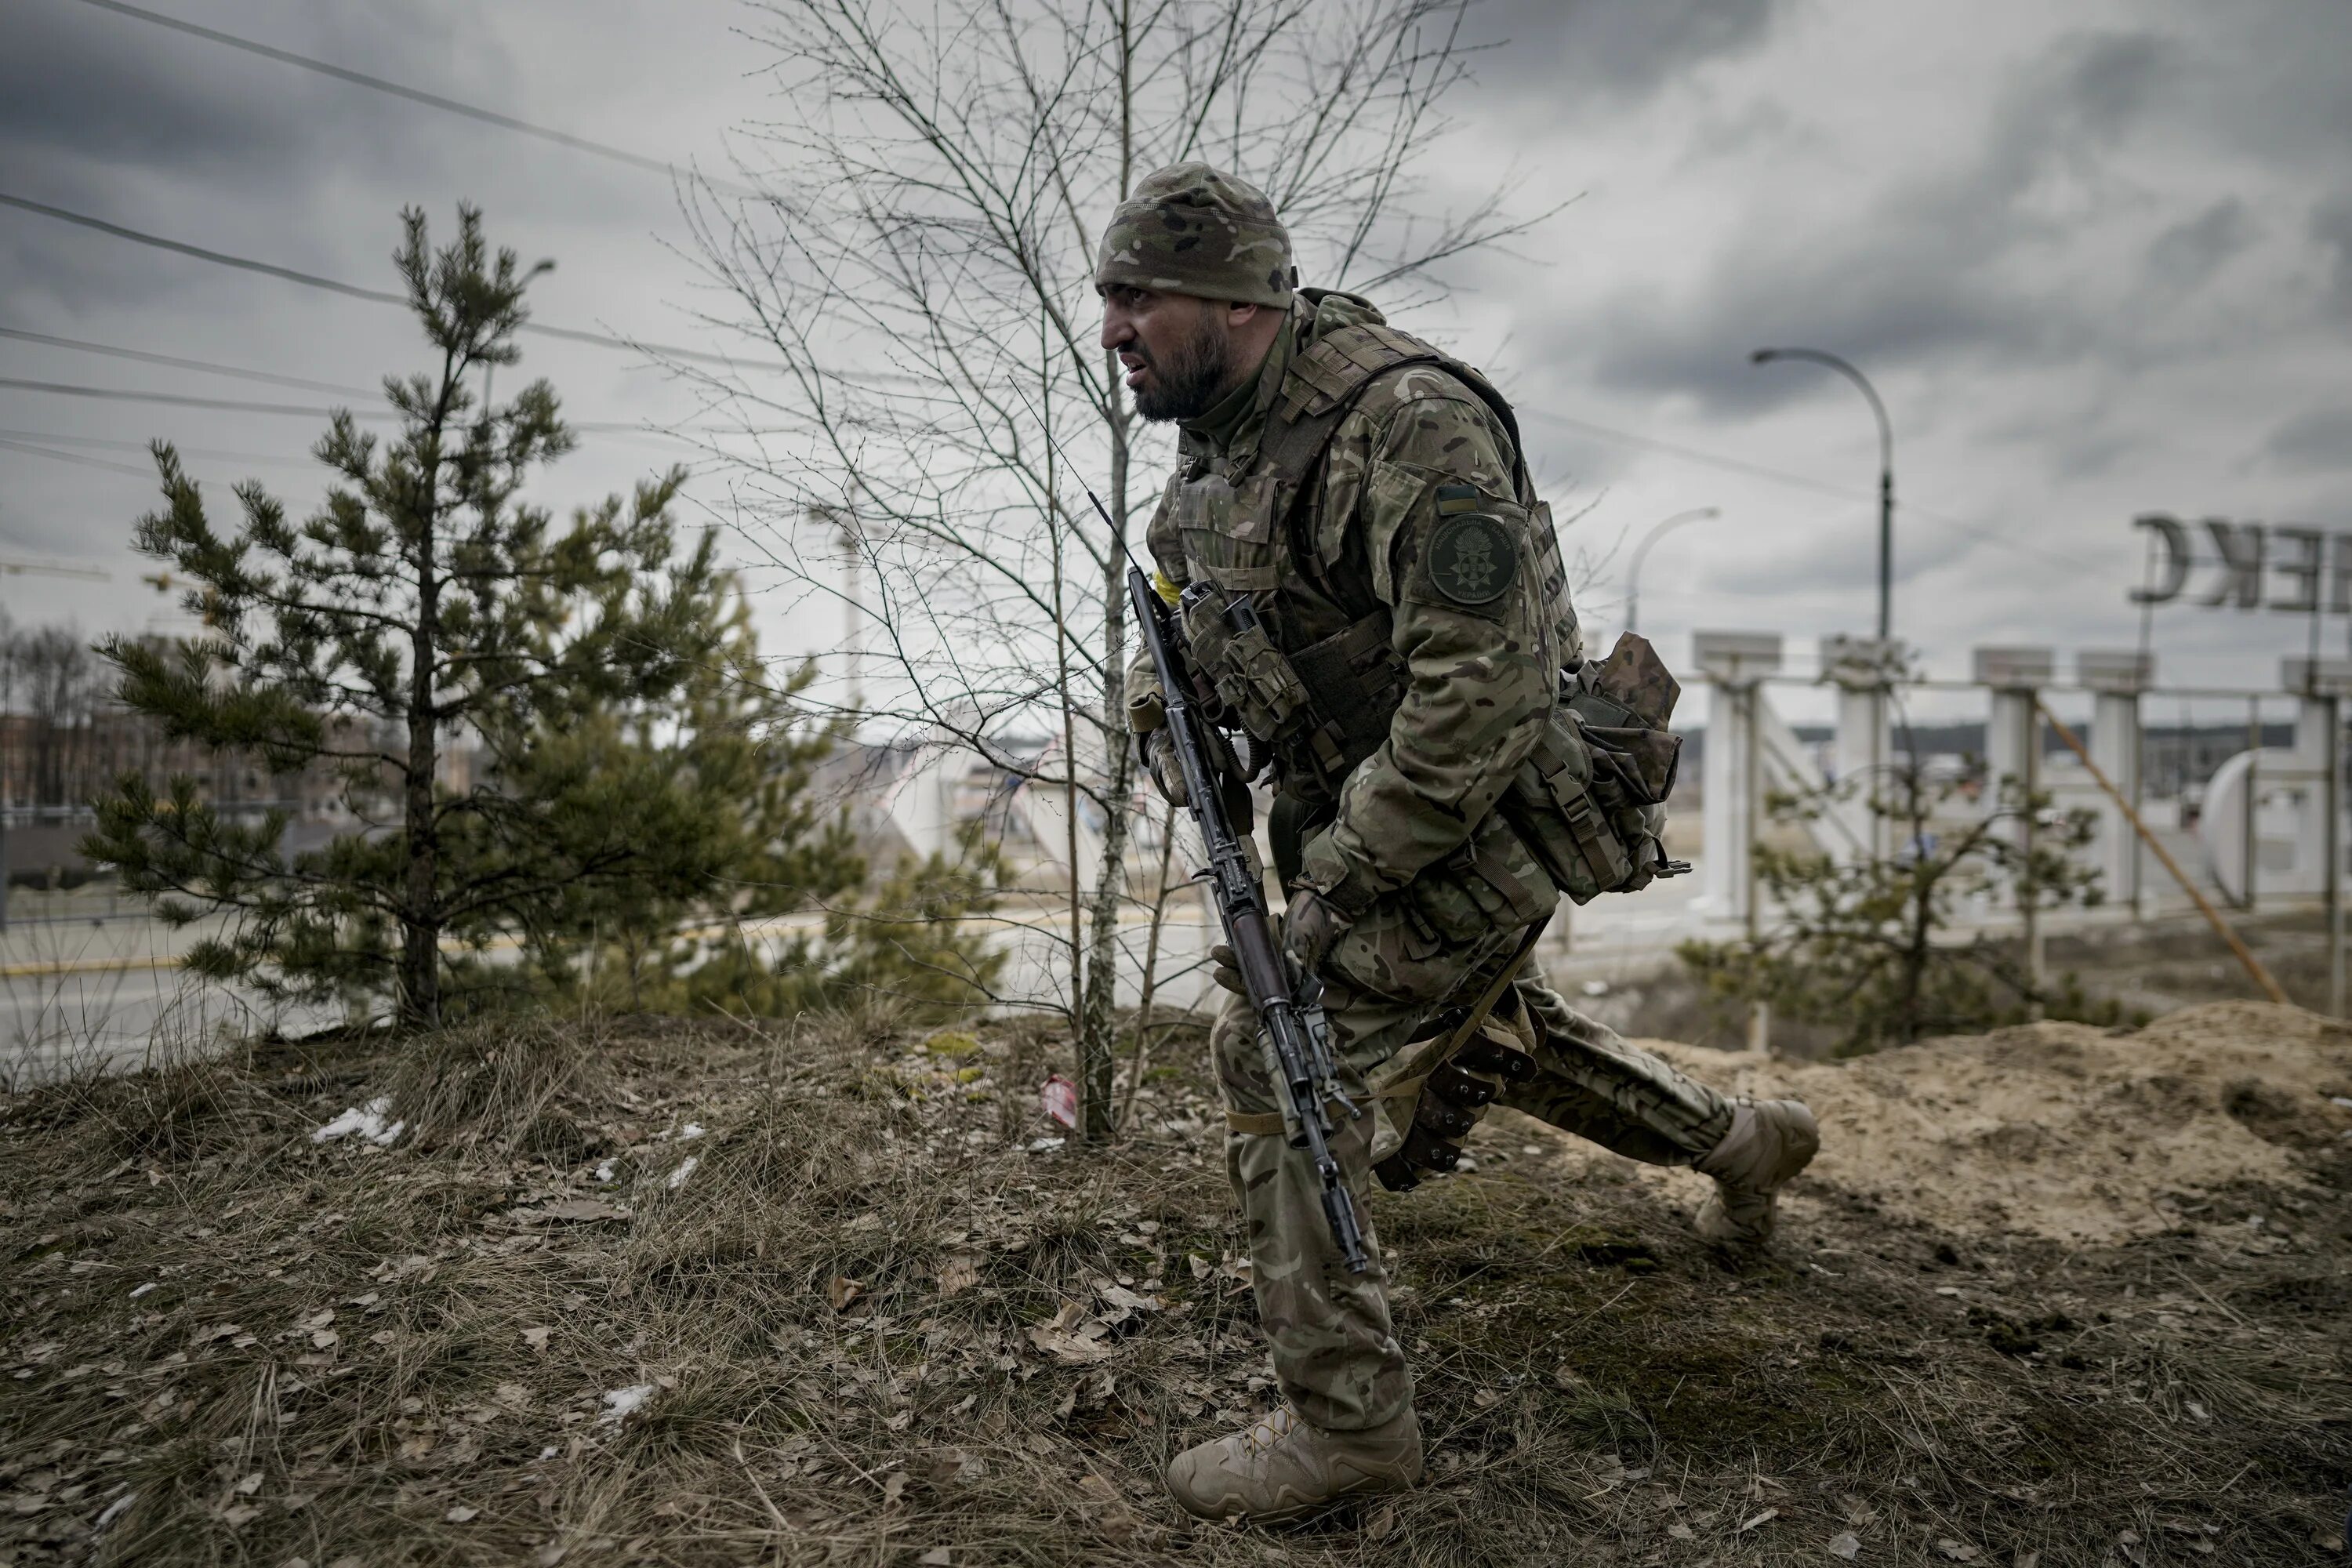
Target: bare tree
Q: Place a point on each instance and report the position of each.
(921, 260)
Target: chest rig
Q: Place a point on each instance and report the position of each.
(1299, 648)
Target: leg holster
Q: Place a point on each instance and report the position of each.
(1432, 1107)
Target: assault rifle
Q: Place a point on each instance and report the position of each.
(1288, 1006)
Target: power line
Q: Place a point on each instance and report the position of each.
(374, 296)
(74, 457)
(208, 366)
(1756, 470)
(211, 454)
(177, 399)
(414, 95)
(240, 406)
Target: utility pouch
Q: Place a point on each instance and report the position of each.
(1588, 800)
(1355, 679)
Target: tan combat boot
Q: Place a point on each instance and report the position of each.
(1769, 1142)
(1281, 1467)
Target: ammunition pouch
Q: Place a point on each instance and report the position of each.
(1590, 800)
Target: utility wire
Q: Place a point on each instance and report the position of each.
(178, 400)
(1798, 481)
(375, 295)
(314, 410)
(414, 95)
(210, 453)
(74, 458)
(207, 367)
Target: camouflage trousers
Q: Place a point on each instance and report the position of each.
(1334, 1354)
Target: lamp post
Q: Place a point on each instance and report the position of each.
(1641, 552)
(1886, 473)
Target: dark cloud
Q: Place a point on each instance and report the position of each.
(2331, 228)
(2187, 254)
(1951, 264)
(1572, 53)
(2317, 442)
(93, 89)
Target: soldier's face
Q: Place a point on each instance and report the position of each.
(1177, 350)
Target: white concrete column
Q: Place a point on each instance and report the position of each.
(1732, 779)
(2017, 675)
(1864, 671)
(2117, 677)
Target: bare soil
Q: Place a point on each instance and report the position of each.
(2054, 1298)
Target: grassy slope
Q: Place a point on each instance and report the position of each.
(1599, 1388)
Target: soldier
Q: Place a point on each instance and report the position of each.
(1366, 493)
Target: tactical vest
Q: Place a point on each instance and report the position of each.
(1319, 710)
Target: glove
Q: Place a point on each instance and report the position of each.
(1228, 970)
(1311, 926)
(1167, 773)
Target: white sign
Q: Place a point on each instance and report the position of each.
(2274, 566)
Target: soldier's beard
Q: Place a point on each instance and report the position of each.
(1187, 382)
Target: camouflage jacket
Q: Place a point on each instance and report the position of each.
(1476, 619)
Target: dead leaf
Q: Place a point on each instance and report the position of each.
(239, 1515)
(1680, 1532)
(325, 1339)
(1955, 1549)
(249, 1485)
(1124, 1301)
(2028, 1560)
(937, 1557)
(1766, 1517)
(1103, 1503)
(461, 1513)
(1382, 1525)
(841, 1291)
(1067, 1347)
(572, 1209)
(1845, 1545)
(536, 1338)
(1072, 1337)
(958, 1273)
(893, 1486)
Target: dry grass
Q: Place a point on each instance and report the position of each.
(834, 1310)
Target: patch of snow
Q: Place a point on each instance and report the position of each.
(1596, 988)
(677, 1177)
(605, 1169)
(623, 1402)
(1040, 1145)
(692, 1130)
(143, 1290)
(115, 1509)
(547, 1452)
(367, 1120)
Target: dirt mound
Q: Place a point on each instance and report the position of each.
(2067, 1132)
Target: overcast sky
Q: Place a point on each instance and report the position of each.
(2096, 258)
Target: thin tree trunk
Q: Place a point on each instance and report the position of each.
(1159, 892)
(420, 914)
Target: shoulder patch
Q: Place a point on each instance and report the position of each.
(1472, 559)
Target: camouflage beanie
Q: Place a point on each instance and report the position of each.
(1189, 229)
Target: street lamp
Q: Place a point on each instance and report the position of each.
(1633, 572)
(1886, 473)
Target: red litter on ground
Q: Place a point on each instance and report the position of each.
(1058, 1098)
